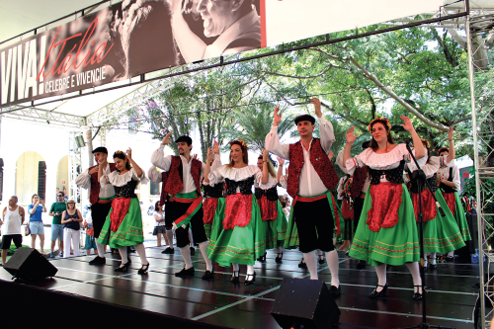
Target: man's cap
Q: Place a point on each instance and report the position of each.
(305, 117)
(100, 149)
(184, 138)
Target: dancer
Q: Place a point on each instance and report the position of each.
(71, 220)
(354, 190)
(441, 233)
(123, 225)
(387, 232)
(239, 234)
(99, 197)
(270, 206)
(311, 177)
(184, 192)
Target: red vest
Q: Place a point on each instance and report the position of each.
(174, 183)
(95, 186)
(359, 177)
(163, 195)
(319, 160)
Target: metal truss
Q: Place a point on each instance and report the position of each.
(33, 114)
(75, 165)
(479, 27)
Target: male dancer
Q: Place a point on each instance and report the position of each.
(100, 198)
(183, 187)
(311, 177)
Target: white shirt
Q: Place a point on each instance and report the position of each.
(456, 175)
(339, 162)
(84, 181)
(310, 182)
(12, 222)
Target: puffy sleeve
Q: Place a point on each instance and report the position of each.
(143, 179)
(107, 179)
(327, 134)
(357, 161)
(216, 176)
(159, 160)
(339, 162)
(273, 144)
(431, 167)
(341, 185)
(84, 180)
(456, 178)
(258, 181)
(154, 175)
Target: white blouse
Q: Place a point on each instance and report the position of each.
(235, 174)
(272, 182)
(339, 162)
(120, 180)
(456, 175)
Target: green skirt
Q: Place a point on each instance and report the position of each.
(276, 229)
(240, 245)
(129, 232)
(219, 208)
(396, 245)
(461, 219)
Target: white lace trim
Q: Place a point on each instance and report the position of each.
(235, 174)
(120, 180)
(384, 161)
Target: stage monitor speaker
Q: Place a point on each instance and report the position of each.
(28, 264)
(305, 303)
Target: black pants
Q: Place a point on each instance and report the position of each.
(7, 241)
(196, 224)
(99, 212)
(357, 211)
(312, 216)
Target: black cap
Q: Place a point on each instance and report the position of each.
(305, 117)
(100, 149)
(184, 138)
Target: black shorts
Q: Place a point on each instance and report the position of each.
(7, 241)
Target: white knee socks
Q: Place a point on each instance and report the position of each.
(169, 235)
(433, 258)
(381, 275)
(203, 247)
(310, 260)
(123, 255)
(142, 253)
(185, 251)
(334, 267)
(414, 270)
(101, 249)
(250, 269)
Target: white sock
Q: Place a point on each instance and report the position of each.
(334, 267)
(141, 251)
(203, 246)
(235, 267)
(169, 235)
(310, 260)
(250, 269)
(185, 251)
(279, 250)
(381, 276)
(123, 255)
(425, 258)
(414, 270)
(451, 254)
(320, 252)
(433, 258)
(101, 249)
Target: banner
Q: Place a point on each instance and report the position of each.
(136, 37)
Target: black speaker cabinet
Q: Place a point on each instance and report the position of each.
(28, 264)
(307, 303)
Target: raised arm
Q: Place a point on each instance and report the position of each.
(137, 169)
(280, 169)
(417, 142)
(265, 168)
(272, 141)
(84, 179)
(207, 169)
(158, 159)
(452, 153)
(326, 130)
(350, 140)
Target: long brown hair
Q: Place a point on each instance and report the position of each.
(373, 143)
(271, 170)
(243, 147)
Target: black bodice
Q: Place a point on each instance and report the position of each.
(244, 185)
(126, 191)
(271, 194)
(446, 188)
(392, 175)
(432, 183)
(213, 191)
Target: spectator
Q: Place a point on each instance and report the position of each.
(13, 217)
(71, 218)
(88, 225)
(159, 228)
(35, 209)
(56, 211)
(65, 196)
(58, 191)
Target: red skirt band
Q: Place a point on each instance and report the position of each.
(238, 210)
(120, 208)
(386, 201)
(428, 205)
(209, 208)
(268, 208)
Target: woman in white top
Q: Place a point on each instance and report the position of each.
(159, 228)
(123, 225)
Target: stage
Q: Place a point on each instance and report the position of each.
(450, 300)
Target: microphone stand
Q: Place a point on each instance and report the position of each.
(421, 179)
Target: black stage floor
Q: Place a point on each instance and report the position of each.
(451, 295)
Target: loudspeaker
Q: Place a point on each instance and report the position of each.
(307, 303)
(28, 264)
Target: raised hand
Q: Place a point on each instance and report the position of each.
(167, 139)
(317, 106)
(264, 154)
(407, 123)
(94, 170)
(330, 154)
(451, 133)
(351, 136)
(277, 117)
(281, 161)
(216, 148)
(129, 153)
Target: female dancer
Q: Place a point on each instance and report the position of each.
(388, 235)
(238, 234)
(123, 225)
(269, 203)
(71, 218)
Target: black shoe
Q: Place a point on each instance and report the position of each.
(433, 266)
(208, 275)
(417, 295)
(361, 264)
(184, 273)
(449, 259)
(279, 258)
(98, 261)
(302, 264)
(382, 293)
(143, 269)
(335, 292)
(123, 267)
(321, 259)
(235, 277)
(130, 250)
(168, 251)
(251, 281)
(262, 258)
(192, 251)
